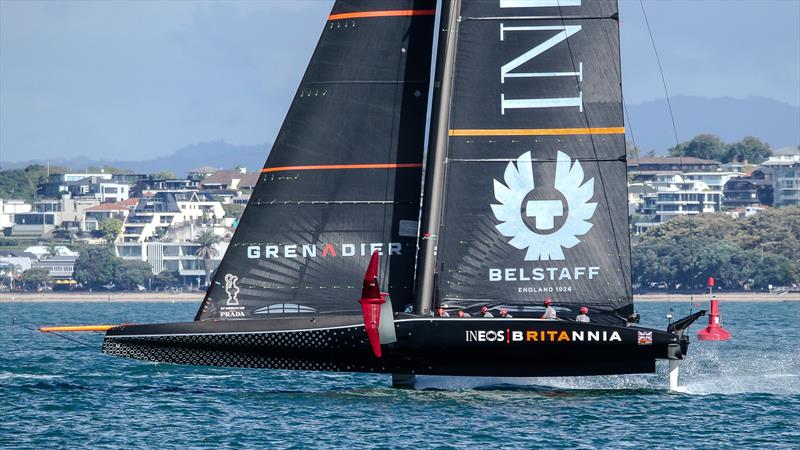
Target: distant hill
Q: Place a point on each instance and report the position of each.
(214, 154)
(730, 118)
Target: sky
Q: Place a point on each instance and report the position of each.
(137, 80)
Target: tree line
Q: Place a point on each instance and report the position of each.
(741, 254)
(709, 146)
(21, 184)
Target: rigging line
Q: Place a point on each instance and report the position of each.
(635, 151)
(629, 126)
(677, 142)
(77, 341)
(594, 149)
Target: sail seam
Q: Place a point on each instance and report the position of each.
(387, 13)
(324, 83)
(539, 18)
(342, 167)
(505, 160)
(335, 202)
(536, 131)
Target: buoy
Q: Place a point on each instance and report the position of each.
(714, 330)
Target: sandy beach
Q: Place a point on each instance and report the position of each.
(197, 297)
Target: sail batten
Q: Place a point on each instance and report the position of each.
(384, 13)
(536, 131)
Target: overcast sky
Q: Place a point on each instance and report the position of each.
(136, 80)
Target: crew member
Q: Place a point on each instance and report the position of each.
(504, 313)
(485, 312)
(442, 313)
(583, 316)
(463, 314)
(549, 311)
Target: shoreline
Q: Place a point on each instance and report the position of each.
(197, 297)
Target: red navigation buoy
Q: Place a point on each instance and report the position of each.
(714, 330)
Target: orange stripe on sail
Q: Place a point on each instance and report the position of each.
(536, 131)
(390, 13)
(341, 166)
(77, 328)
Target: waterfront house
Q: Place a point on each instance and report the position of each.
(178, 257)
(672, 163)
(95, 215)
(8, 208)
(785, 167)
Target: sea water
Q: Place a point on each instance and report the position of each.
(57, 393)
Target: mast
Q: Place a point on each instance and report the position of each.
(433, 193)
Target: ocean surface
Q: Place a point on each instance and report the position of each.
(55, 393)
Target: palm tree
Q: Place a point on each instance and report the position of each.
(206, 240)
(14, 269)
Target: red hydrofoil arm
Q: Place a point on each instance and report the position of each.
(371, 301)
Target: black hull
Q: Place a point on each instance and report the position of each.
(427, 346)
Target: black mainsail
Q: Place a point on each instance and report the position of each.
(343, 177)
(524, 198)
(535, 195)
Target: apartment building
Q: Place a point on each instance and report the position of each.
(785, 167)
(176, 257)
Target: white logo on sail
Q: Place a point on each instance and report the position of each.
(231, 289)
(569, 181)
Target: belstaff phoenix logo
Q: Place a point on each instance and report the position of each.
(554, 228)
(231, 289)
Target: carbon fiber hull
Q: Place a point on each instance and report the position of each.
(432, 346)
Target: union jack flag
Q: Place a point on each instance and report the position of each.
(645, 338)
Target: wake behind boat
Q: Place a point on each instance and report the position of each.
(478, 148)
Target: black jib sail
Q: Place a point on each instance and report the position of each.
(343, 177)
(535, 197)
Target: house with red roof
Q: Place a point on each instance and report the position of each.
(95, 215)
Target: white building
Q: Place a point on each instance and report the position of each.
(95, 215)
(714, 180)
(681, 199)
(112, 192)
(785, 166)
(175, 257)
(7, 210)
(155, 215)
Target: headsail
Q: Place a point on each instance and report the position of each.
(535, 196)
(343, 177)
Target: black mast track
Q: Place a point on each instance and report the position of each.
(425, 280)
(343, 177)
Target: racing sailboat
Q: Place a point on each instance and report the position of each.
(451, 157)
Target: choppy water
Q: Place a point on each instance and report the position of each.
(55, 393)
